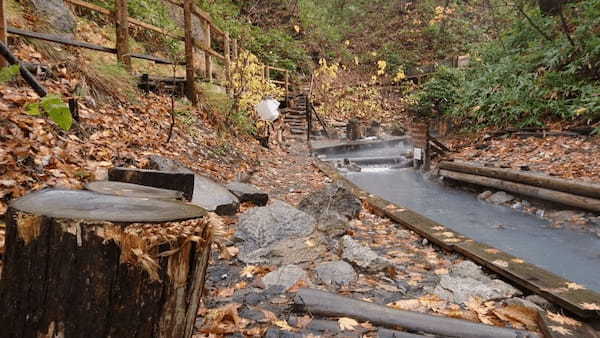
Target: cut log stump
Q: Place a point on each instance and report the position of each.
(82, 264)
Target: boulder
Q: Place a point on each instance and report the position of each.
(285, 252)
(285, 277)
(57, 13)
(207, 193)
(261, 227)
(337, 273)
(213, 196)
(331, 198)
(466, 281)
(248, 193)
(332, 223)
(362, 257)
(500, 197)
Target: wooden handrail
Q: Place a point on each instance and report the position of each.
(132, 21)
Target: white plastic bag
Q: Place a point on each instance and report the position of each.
(268, 109)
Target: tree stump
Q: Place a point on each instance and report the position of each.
(132, 190)
(82, 264)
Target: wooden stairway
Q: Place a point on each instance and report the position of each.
(295, 115)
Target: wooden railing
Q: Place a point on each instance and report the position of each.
(231, 47)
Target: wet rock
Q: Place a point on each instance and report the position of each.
(285, 277)
(500, 197)
(276, 333)
(57, 13)
(564, 216)
(332, 198)
(213, 196)
(466, 280)
(252, 314)
(261, 227)
(337, 273)
(485, 195)
(362, 257)
(285, 252)
(248, 193)
(594, 221)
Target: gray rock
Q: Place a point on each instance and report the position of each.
(484, 195)
(212, 196)
(362, 257)
(337, 273)
(594, 221)
(208, 194)
(332, 223)
(466, 280)
(501, 197)
(57, 13)
(331, 198)
(285, 277)
(248, 193)
(261, 227)
(540, 301)
(285, 252)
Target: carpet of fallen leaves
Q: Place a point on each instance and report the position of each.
(35, 153)
(560, 156)
(408, 285)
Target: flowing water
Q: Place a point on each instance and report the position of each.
(570, 254)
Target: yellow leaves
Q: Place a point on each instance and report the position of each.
(347, 324)
(297, 28)
(347, 42)
(381, 66)
(249, 271)
(422, 304)
(580, 111)
(282, 324)
(520, 314)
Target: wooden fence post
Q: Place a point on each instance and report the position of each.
(287, 85)
(235, 49)
(190, 86)
(227, 60)
(3, 63)
(207, 57)
(268, 73)
(122, 25)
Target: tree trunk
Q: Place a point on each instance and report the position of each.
(132, 273)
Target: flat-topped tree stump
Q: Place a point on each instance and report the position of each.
(179, 181)
(83, 264)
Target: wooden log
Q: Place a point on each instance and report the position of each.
(183, 182)
(132, 190)
(323, 303)
(122, 28)
(31, 80)
(576, 201)
(190, 72)
(560, 326)
(81, 264)
(207, 46)
(587, 189)
(3, 34)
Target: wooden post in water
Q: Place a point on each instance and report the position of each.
(420, 137)
(122, 26)
(190, 86)
(227, 61)
(207, 57)
(3, 34)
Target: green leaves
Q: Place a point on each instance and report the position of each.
(57, 110)
(8, 74)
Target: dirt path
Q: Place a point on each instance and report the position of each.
(238, 302)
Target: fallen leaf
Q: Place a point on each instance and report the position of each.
(575, 286)
(563, 320)
(517, 261)
(492, 251)
(561, 330)
(590, 306)
(347, 324)
(500, 263)
(282, 324)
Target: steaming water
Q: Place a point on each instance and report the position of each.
(570, 254)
